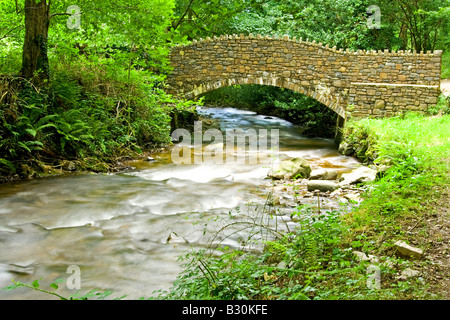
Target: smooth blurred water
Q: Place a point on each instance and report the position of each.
(116, 227)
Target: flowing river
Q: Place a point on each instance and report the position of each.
(126, 231)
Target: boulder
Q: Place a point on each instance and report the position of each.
(317, 174)
(323, 174)
(70, 166)
(322, 185)
(331, 175)
(362, 174)
(291, 169)
(345, 148)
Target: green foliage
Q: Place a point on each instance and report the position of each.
(11, 33)
(442, 107)
(413, 148)
(446, 64)
(287, 269)
(418, 25)
(105, 99)
(36, 286)
(199, 18)
(67, 121)
(315, 260)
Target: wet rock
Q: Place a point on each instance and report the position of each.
(291, 169)
(407, 250)
(175, 239)
(336, 193)
(23, 270)
(345, 148)
(353, 196)
(125, 169)
(317, 174)
(331, 175)
(70, 166)
(322, 185)
(288, 200)
(150, 159)
(323, 174)
(362, 174)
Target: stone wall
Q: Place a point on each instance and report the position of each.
(352, 83)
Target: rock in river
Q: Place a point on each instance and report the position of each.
(291, 169)
(362, 174)
(322, 185)
(323, 174)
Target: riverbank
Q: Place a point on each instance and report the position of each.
(411, 201)
(356, 254)
(74, 126)
(89, 116)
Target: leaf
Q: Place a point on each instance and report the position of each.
(24, 146)
(48, 125)
(35, 284)
(31, 132)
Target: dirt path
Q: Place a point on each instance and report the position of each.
(445, 87)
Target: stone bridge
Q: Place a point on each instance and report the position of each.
(352, 83)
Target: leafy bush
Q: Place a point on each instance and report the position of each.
(292, 266)
(77, 118)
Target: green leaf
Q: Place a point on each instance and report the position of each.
(31, 132)
(24, 146)
(35, 284)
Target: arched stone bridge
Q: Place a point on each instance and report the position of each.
(352, 83)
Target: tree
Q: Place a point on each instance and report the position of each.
(422, 24)
(120, 23)
(34, 57)
(200, 18)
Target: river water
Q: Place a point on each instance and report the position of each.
(126, 231)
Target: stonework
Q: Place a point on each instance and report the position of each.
(352, 83)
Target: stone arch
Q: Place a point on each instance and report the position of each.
(276, 82)
(352, 83)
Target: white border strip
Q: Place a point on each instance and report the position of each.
(392, 85)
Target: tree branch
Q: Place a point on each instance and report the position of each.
(184, 14)
(7, 33)
(59, 14)
(17, 7)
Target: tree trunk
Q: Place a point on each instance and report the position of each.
(34, 58)
(404, 36)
